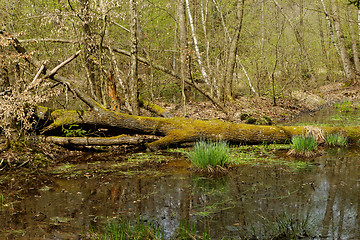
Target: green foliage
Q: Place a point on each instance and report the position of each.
(303, 143)
(336, 140)
(251, 120)
(71, 132)
(124, 229)
(141, 229)
(210, 155)
(347, 106)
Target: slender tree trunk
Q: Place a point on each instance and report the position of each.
(133, 79)
(196, 46)
(347, 64)
(230, 65)
(89, 51)
(183, 49)
(204, 17)
(354, 41)
(330, 26)
(322, 40)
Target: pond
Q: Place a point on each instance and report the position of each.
(320, 199)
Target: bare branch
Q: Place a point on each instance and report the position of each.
(36, 82)
(172, 73)
(53, 72)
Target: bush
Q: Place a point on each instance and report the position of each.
(210, 155)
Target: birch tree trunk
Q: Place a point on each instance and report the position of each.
(133, 78)
(347, 64)
(330, 27)
(196, 46)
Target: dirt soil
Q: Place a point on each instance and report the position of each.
(260, 110)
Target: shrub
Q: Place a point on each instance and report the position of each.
(336, 140)
(208, 155)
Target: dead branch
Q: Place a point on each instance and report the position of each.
(51, 73)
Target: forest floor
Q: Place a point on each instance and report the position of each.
(261, 110)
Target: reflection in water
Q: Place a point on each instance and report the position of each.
(246, 199)
(223, 206)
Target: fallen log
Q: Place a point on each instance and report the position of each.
(95, 141)
(175, 131)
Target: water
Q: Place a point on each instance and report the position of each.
(246, 201)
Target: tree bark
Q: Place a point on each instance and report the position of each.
(183, 49)
(197, 51)
(354, 41)
(347, 64)
(89, 51)
(95, 141)
(133, 79)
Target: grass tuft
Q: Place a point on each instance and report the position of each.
(303, 146)
(210, 156)
(336, 140)
(124, 230)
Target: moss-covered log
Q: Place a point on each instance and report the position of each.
(182, 130)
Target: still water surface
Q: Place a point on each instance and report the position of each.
(246, 199)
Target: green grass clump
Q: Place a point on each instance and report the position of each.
(124, 230)
(336, 140)
(210, 156)
(303, 143)
(303, 146)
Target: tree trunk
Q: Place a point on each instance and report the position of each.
(133, 79)
(354, 41)
(183, 49)
(89, 51)
(196, 46)
(347, 64)
(176, 131)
